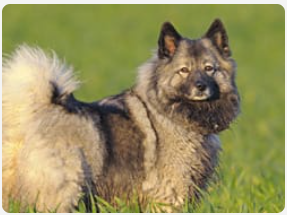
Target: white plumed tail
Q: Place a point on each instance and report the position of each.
(30, 80)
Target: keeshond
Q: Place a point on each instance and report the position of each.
(158, 139)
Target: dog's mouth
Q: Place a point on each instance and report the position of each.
(197, 95)
(207, 94)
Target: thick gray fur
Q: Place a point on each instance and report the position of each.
(158, 140)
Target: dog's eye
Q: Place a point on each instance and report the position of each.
(208, 68)
(184, 70)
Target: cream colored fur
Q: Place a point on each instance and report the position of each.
(50, 172)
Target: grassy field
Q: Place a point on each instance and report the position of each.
(106, 43)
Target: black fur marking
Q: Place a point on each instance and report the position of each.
(74, 106)
(114, 104)
(210, 116)
(123, 168)
(56, 96)
(67, 101)
(149, 115)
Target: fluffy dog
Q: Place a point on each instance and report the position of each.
(158, 139)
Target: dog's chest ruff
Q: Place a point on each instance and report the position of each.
(176, 161)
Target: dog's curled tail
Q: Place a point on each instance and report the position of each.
(32, 82)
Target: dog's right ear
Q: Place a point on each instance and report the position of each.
(168, 40)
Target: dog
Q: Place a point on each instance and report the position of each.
(158, 139)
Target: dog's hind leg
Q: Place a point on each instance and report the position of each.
(49, 178)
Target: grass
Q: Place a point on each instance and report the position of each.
(106, 43)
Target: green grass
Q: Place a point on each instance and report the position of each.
(106, 43)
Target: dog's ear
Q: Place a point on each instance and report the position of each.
(218, 36)
(168, 40)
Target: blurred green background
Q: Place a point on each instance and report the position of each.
(106, 44)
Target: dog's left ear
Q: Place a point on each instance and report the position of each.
(168, 41)
(218, 36)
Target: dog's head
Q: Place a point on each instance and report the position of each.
(195, 78)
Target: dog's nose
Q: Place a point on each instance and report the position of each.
(200, 85)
